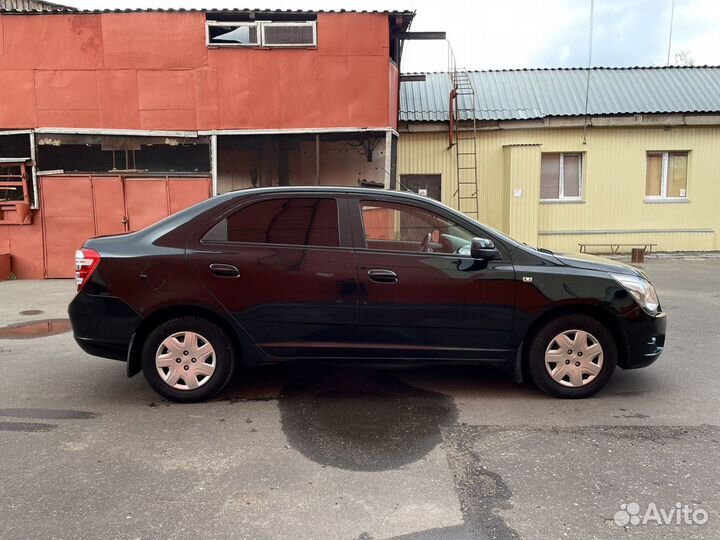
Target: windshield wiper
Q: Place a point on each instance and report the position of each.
(543, 250)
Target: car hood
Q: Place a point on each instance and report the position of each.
(593, 262)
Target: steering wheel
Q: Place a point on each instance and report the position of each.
(425, 246)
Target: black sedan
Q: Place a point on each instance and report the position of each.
(349, 275)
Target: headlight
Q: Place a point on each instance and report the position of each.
(641, 290)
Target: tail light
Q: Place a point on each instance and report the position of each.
(86, 260)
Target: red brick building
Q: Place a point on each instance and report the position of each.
(113, 119)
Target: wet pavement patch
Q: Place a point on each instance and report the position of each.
(35, 329)
(48, 414)
(362, 420)
(26, 426)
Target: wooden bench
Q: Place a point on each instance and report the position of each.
(615, 246)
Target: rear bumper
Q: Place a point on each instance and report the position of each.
(645, 338)
(102, 325)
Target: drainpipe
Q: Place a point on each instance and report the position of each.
(453, 96)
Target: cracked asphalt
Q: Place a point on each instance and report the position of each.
(336, 453)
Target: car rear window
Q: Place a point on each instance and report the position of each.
(292, 221)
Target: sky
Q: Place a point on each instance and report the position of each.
(507, 34)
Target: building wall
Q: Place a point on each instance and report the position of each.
(152, 70)
(613, 206)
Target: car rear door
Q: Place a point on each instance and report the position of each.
(417, 304)
(283, 267)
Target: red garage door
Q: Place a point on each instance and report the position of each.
(76, 208)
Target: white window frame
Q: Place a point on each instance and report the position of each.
(664, 175)
(260, 25)
(312, 24)
(561, 177)
(210, 44)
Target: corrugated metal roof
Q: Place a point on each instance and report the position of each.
(31, 5)
(65, 9)
(540, 93)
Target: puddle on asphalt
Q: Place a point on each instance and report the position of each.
(362, 420)
(35, 329)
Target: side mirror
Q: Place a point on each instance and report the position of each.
(483, 248)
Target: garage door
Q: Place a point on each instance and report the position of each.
(75, 208)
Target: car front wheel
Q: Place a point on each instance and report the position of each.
(572, 356)
(187, 359)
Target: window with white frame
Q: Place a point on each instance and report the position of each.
(666, 176)
(261, 34)
(560, 176)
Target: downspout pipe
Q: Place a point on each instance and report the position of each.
(451, 115)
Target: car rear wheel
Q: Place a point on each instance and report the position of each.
(572, 356)
(187, 359)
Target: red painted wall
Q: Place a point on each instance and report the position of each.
(153, 71)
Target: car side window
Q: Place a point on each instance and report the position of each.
(402, 227)
(290, 221)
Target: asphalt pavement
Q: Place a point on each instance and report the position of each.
(334, 453)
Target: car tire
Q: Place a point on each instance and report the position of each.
(572, 356)
(187, 359)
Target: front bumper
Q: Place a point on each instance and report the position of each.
(102, 325)
(645, 338)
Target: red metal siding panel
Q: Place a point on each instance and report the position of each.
(65, 118)
(52, 42)
(64, 235)
(154, 40)
(24, 243)
(169, 120)
(166, 89)
(185, 192)
(370, 34)
(153, 71)
(146, 201)
(108, 205)
(66, 90)
(17, 99)
(119, 99)
(68, 220)
(366, 94)
(207, 98)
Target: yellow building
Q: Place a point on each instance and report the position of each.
(641, 167)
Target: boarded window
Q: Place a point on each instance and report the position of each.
(666, 175)
(560, 176)
(298, 222)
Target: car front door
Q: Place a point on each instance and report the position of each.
(283, 267)
(421, 293)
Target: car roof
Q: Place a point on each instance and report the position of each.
(327, 189)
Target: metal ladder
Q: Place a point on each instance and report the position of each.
(465, 140)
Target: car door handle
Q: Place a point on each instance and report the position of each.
(383, 276)
(224, 270)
